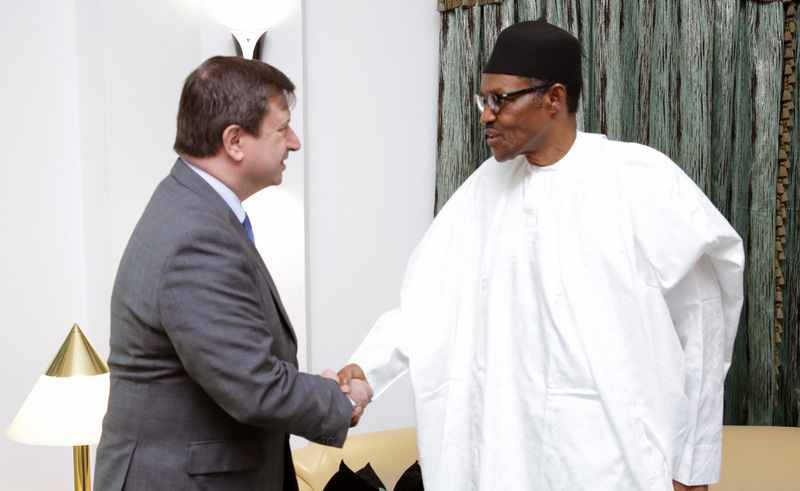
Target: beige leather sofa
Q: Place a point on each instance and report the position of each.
(754, 458)
(389, 452)
(760, 458)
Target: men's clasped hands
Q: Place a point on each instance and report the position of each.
(353, 383)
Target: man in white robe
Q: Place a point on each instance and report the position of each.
(569, 317)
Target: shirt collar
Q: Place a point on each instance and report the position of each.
(224, 191)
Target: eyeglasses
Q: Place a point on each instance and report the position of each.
(493, 101)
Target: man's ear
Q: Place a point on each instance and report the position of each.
(232, 142)
(556, 98)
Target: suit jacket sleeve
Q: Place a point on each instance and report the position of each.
(224, 324)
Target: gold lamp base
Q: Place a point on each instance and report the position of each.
(80, 456)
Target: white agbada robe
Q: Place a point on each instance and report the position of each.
(568, 326)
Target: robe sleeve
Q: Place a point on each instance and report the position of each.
(382, 355)
(698, 307)
(692, 254)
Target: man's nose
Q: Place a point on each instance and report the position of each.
(487, 115)
(293, 142)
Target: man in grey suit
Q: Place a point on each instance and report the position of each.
(205, 387)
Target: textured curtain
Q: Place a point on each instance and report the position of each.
(705, 82)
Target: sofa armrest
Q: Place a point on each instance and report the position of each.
(759, 457)
(390, 452)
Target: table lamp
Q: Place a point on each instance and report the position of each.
(67, 404)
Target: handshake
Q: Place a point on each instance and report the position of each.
(352, 381)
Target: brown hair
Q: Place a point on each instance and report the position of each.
(226, 90)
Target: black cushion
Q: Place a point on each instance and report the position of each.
(411, 480)
(347, 480)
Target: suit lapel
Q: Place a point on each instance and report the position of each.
(197, 184)
(262, 267)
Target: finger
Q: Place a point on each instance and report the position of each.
(328, 373)
(352, 371)
(356, 416)
(345, 376)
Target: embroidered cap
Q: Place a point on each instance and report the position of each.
(536, 49)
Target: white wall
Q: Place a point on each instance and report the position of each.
(42, 290)
(87, 108)
(371, 82)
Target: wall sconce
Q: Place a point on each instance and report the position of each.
(67, 404)
(248, 43)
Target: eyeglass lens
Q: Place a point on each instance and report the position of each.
(490, 100)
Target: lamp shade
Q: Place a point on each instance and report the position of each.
(67, 404)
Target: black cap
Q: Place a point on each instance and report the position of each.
(536, 49)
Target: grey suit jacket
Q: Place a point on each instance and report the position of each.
(204, 381)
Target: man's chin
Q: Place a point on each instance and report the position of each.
(501, 156)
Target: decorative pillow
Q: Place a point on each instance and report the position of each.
(411, 480)
(367, 473)
(347, 480)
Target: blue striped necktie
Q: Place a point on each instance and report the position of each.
(249, 228)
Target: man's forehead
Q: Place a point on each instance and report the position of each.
(278, 101)
(499, 82)
(279, 110)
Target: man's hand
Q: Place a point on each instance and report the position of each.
(347, 374)
(361, 394)
(358, 390)
(682, 487)
(358, 411)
